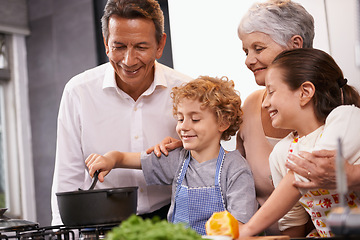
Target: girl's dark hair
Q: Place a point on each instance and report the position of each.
(319, 68)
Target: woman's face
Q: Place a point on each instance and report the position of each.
(260, 51)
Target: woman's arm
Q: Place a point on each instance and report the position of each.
(353, 176)
(240, 144)
(166, 145)
(318, 167)
(110, 160)
(321, 166)
(282, 199)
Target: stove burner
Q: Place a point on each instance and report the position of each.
(95, 232)
(91, 234)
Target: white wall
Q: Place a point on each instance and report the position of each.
(343, 30)
(205, 42)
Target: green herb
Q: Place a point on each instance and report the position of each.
(135, 228)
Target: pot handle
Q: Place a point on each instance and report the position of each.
(111, 192)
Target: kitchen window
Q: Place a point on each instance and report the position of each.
(4, 71)
(2, 148)
(16, 168)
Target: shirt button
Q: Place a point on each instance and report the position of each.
(135, 109)
(141, 190)
(136, 137)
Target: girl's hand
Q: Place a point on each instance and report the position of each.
(96, 162)
(166, 145)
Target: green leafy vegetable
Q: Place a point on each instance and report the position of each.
(135, 228)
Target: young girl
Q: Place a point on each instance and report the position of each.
(204, 177)
(306, 91)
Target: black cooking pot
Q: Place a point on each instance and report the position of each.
(100, 206)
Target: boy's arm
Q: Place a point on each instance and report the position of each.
(110, 160)
(282, 199)
(125, 159)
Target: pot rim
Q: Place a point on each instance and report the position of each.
(118, 190)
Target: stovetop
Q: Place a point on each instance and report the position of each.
(92, 232)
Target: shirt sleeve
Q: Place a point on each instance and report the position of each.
(240, 189)
(342, 123)
(69, 161)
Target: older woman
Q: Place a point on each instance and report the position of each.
(266, 30)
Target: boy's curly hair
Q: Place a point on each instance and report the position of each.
(217, 94)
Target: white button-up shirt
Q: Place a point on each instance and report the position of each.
(95, 116)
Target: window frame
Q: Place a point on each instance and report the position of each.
(19, 184)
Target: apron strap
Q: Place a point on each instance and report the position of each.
(219, 163)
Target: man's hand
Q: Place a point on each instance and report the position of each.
(318, 167)
(166, 145)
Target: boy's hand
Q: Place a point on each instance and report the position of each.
(166, 145)
(96, 162)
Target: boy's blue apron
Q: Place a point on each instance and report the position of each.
(196, 205)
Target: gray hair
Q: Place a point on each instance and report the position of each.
(281, 20)
(130, 9)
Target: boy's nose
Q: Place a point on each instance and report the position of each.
(185, 125)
